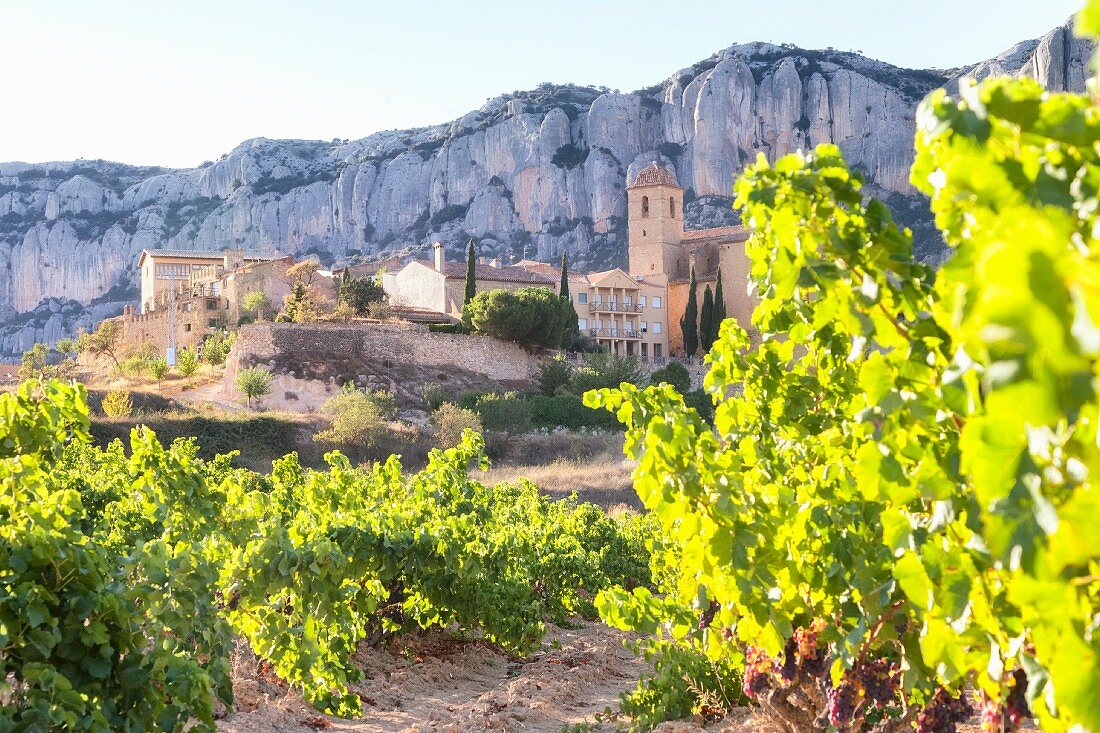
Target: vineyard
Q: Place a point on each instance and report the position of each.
(891, 524)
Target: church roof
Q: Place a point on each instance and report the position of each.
(655, 175)
(734, 234)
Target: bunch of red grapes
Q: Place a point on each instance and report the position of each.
(998, 717)
(943, 713)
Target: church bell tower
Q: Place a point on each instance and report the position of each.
(655, 224)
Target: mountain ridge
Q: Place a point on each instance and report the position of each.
(533, 172)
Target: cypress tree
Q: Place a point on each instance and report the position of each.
(707, 330)
(471, 277)
(563, 289)
(689, 324)
(719, 304)
(570, 323)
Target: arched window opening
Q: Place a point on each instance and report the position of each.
(672, 207)
(645, 205)
(643, 232)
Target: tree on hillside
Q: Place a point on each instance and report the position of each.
(571, 323)
(187, 361)
(359, 293)
(471, 275)
(708, 331)
(531, 316)
(689, 323)
(34, 363)
(256, 303)
(304, 272)
(254, 383)
(105, 340)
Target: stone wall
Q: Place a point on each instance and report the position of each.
(313, 361)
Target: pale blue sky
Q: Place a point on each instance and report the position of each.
(176, 83)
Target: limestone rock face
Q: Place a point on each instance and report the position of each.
(530, 173)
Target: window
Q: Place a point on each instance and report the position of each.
(645, 326)
(582, 323)
(672, 207)
(628, 300)
(656, 301)
(645, 350)
(582, 297)
(656, 327)
(187, 327)
(173, 271)
(657, 354)
(630, 325)
(641, 300)
(645, 207)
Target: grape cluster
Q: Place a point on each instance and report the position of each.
(812, 657)
(759, 670)
(708, 615)
(1007, 716)
(842, 703)
(1016, 703)
(789, 670)
(879, 679)
(943, 713)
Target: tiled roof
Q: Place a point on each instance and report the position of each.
(732, 233)
(655, 175)
(509, 274)
(203, 254)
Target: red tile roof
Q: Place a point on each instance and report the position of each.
(508, 274)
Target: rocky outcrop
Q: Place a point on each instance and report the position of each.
(530, 173)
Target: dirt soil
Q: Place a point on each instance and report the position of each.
(433, 682)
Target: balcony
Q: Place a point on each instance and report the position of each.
(628, 334)
(610, 306)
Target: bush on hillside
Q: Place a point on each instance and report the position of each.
(158, 368)
(569, 412)
(604, 370)
(451, 421)
(673, 373)
(117, 403)
(504, 413)
(554, 374)
(359, 293)
(359, 418)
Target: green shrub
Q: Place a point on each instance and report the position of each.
(434, 395)
(702, 403)
(116, 403)
(158, 368)
(469, 400)
(134, 367)
(504, 413)
(359, 418)
(554, 374)
(451, 421)
(673, 373)
(568, 411)
(604, 370)
(460, 328)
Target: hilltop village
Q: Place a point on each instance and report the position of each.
(187, 295)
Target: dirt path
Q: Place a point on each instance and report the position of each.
(433, 683)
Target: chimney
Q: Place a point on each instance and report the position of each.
(439, 258)
(494, 263)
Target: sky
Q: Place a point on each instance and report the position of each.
(177, 83)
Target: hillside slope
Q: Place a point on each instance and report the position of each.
(530, 172)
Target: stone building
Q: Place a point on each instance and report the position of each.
(165, 269)
(661, 250)
(633, 312)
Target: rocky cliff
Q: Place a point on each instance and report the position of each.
(529, 173)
